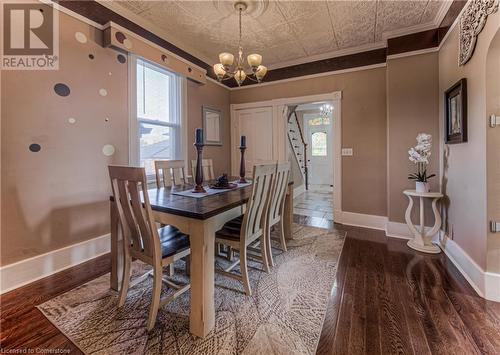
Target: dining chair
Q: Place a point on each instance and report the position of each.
(277, 207)
(141, 238)
(170, 172)
(241, 232)
(207, 166)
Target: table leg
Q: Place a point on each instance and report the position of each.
(202, 239)
(116, 250)
(288, 213)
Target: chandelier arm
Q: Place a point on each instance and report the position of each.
(252, 79)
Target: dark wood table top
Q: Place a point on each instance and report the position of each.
(163, 200)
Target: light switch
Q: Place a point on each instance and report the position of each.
(347, 152)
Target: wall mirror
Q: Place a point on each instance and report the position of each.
(212, 125)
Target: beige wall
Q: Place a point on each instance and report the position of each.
(464, 168)
(217, 97)
(59, 195)
(412, 108)
(363, 129)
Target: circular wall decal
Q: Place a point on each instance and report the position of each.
(127, 44)
(108, 150)
(80, 37)
(120, 37)
(121, 58)
(35, 147)
(103, 92)
(62, 89)
(91, 56)
(72, 120)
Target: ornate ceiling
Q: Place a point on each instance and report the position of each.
(284, 32)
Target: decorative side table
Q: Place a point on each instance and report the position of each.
(422, 241)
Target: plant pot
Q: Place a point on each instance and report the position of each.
(422, 186)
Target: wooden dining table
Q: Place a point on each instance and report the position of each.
(200, 218)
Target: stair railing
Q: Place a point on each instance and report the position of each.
(304, 144)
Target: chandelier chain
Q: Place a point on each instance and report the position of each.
(239, 43)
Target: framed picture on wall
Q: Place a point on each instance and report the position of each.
(456, 113)
(212, 125)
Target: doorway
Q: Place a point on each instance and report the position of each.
(284, 142)
(311, 135)
(317, 122)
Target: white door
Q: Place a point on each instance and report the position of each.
(257, 125)
(319, 149)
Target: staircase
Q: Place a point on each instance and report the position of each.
(298, 144)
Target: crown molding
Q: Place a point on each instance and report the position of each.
(412, 53)
(311, 76)
(333, 54)
(73, 14)
(151, 27)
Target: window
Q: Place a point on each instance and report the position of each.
(319, 144)
(156, 127)
(319, 121)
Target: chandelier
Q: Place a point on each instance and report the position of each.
(226, 70)
(326, 110)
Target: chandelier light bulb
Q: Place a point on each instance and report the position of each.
(260, 72)
(226, 59)
(219, 71)
(254, 60)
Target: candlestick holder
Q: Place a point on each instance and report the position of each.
(242, 166)
(198, 188)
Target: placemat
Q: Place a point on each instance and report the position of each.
(209, 191)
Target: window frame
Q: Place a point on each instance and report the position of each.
(177, 107)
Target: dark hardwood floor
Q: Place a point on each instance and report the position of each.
(386, 299)
(390, 299)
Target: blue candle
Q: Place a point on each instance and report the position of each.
(243, 141)
(199, 136)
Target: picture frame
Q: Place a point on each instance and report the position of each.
(212, 125)
(455, 113)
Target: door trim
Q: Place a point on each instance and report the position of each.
(282, 147)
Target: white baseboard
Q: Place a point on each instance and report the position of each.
(400, 230)
(486, 284)
(299, 190)
(361, 220)
(26, 271)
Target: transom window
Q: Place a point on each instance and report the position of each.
(318, 121)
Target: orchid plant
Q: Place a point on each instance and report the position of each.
(420, 155)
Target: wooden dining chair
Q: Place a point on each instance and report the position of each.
(240, 232)
(141, 238)
(170, 172)
(277, 207)
(207, 166)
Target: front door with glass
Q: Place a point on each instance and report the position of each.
(319, 134)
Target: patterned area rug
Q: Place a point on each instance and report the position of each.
(283, 316)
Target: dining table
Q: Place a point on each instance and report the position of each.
(200, 218)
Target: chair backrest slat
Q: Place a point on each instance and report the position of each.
(280, 184)
(207, 166)
(254, 219)
(138, 227)
(172, 171)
